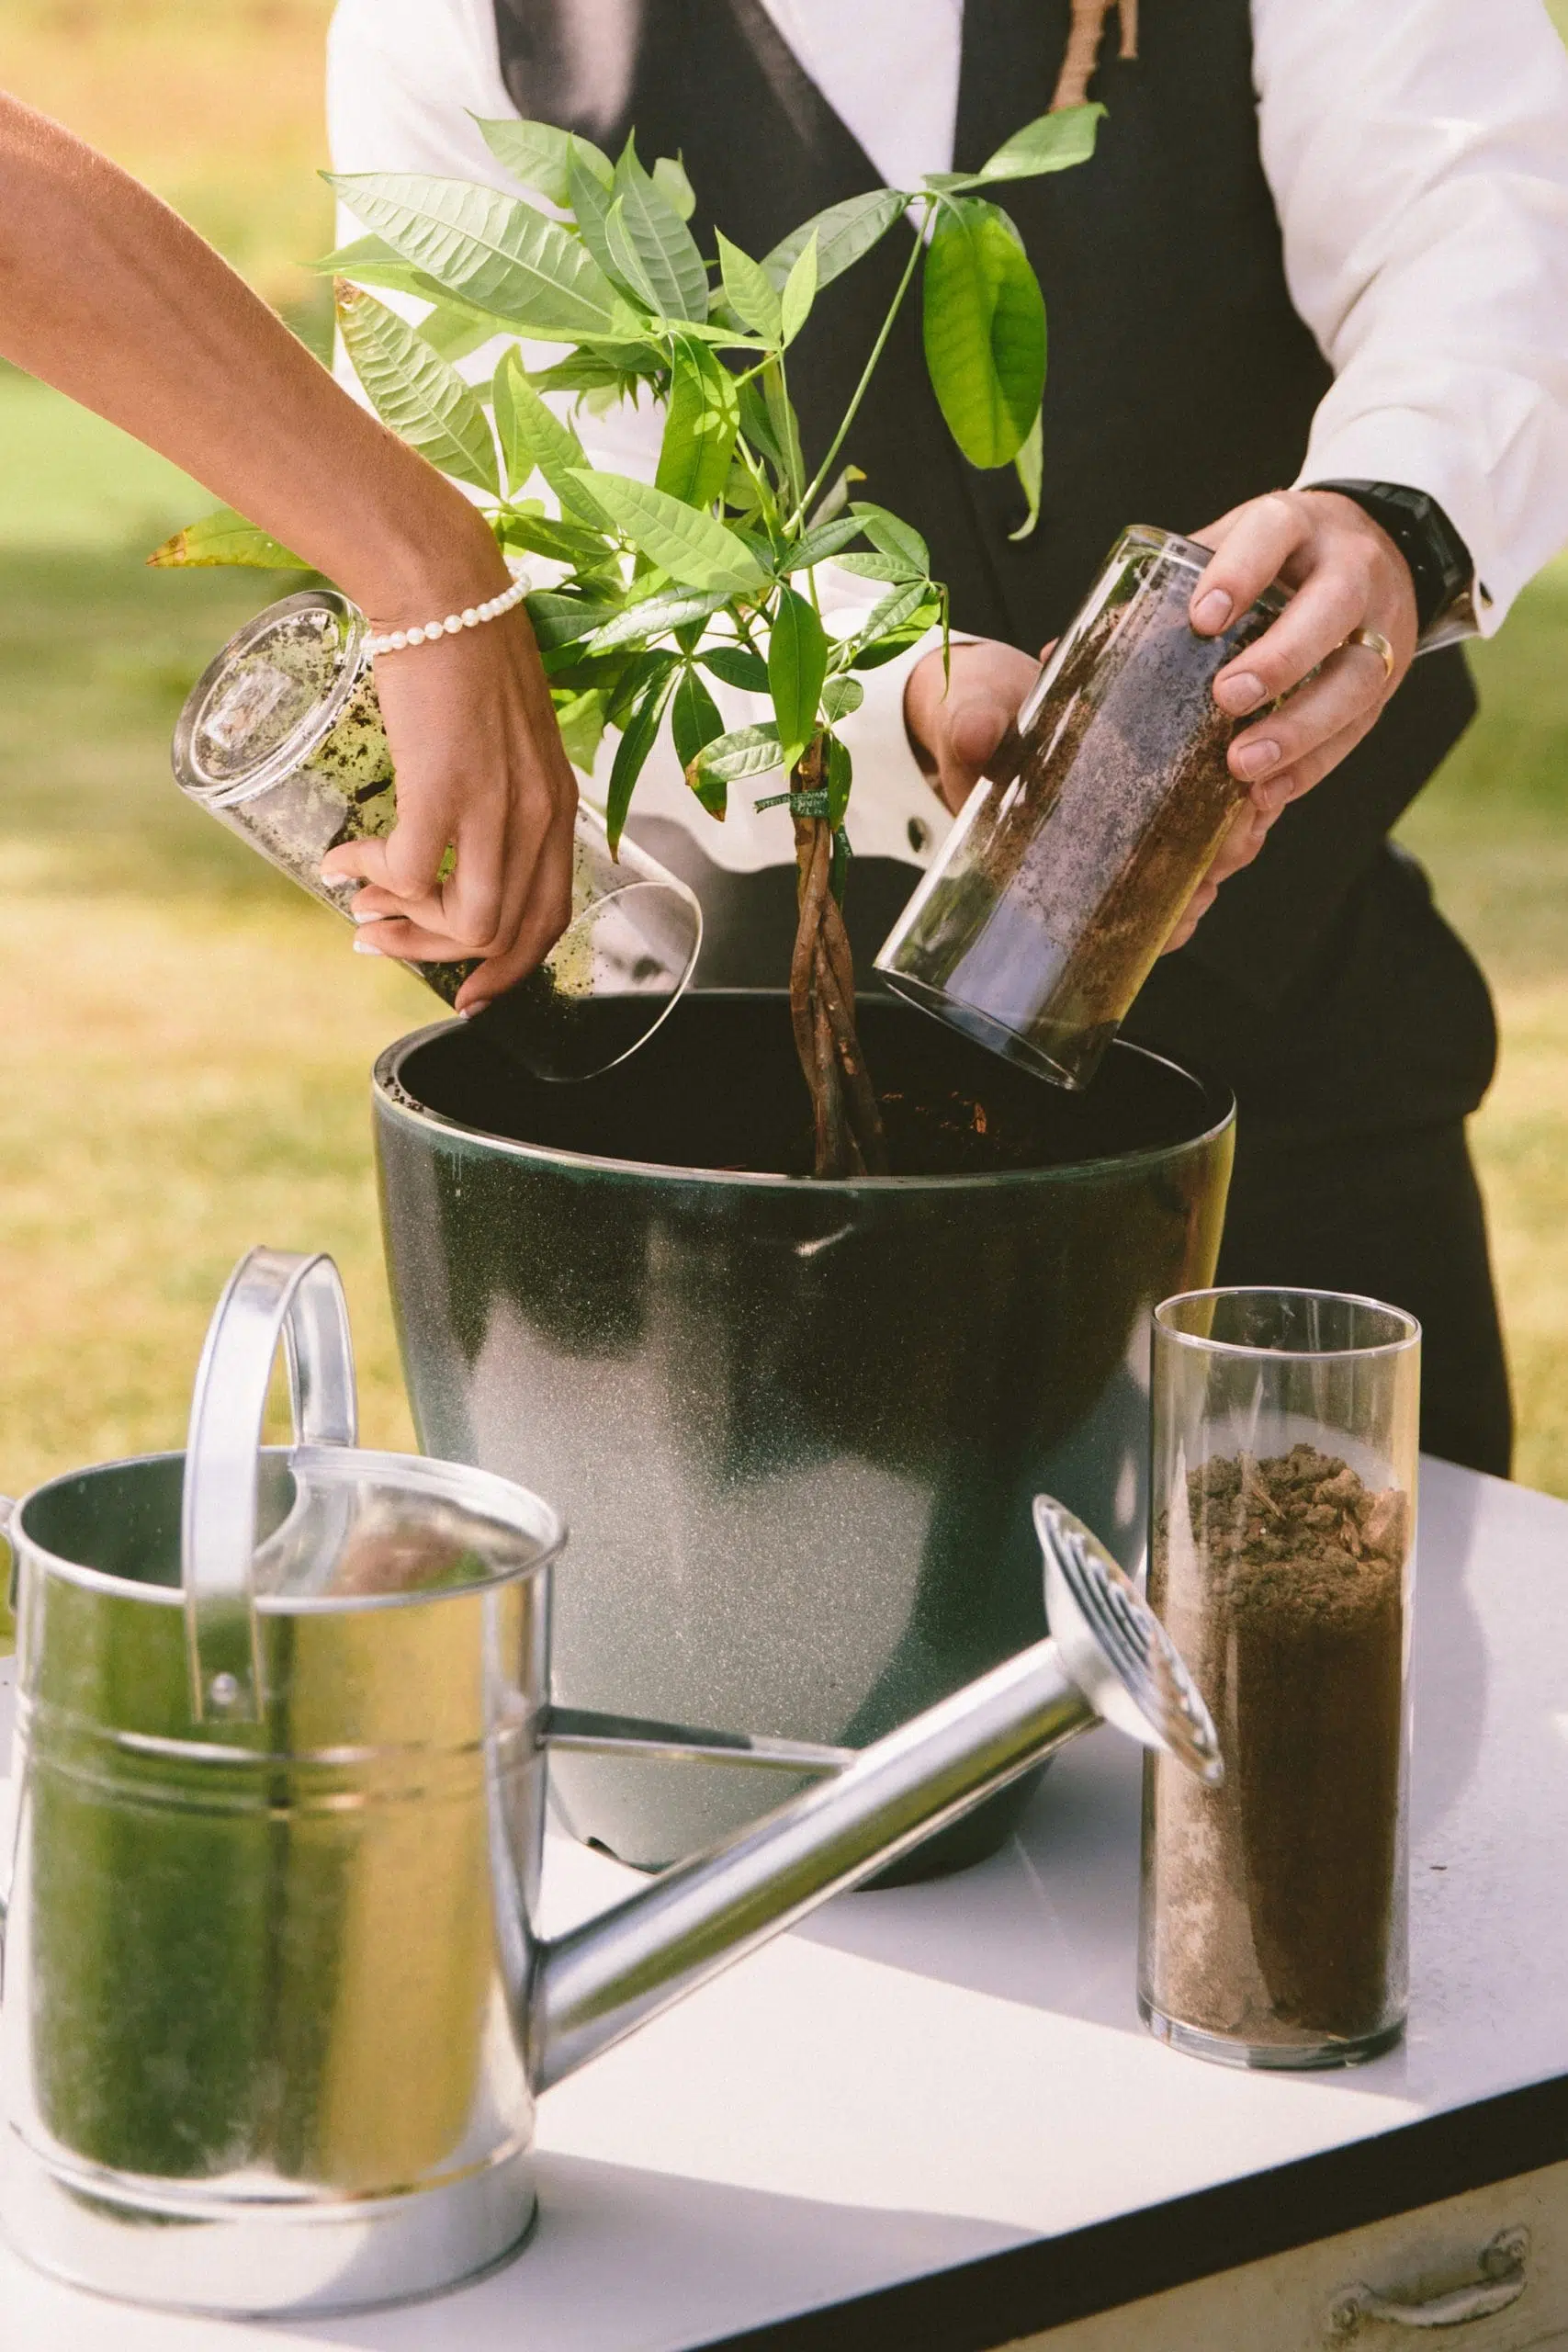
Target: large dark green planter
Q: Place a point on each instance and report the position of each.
(795, 1428)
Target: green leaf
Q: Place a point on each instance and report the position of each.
(580, 718)
(799, 292)
(744, 751)
(843, 233)
(894, 537)
(738, 666)
(224, 537)
(757, 427)
(1051, 142)
(837, 497)
(624, 261)
(534, 437)
(840, 696)
(496, 251)
(840, 775)
(701, 427)
(591, 200)
(655, 616)
(452, 329)
(412, 389)
(619, 368)
(670, 176)
(633, 673)
(664, 248)
(750, 291)
(561, 540)
(875, 567)
(559, 619)
(695, 720)
(797, 665)
(880, 644)
(371, 260)
(692, 546)
(784, 426)
(985, 330)
(822, 543)
(1030, 467)
(640, 735)
(896, 610)
(537, 153)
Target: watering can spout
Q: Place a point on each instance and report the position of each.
(1107, 1660)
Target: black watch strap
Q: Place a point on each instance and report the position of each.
(1440, 566)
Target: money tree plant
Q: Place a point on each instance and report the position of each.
(710, 569)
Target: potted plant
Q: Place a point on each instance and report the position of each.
(796, 1426)
(710, 569)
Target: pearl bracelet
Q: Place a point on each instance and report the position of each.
(397, 639)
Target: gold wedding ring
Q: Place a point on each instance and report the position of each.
(1375, 642)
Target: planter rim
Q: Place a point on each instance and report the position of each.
(390, 1094)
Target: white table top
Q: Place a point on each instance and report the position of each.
(955, 2075)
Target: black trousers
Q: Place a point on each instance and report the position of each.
(1352, 1171)
(1396, 1217)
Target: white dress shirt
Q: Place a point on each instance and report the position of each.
(1418, 155)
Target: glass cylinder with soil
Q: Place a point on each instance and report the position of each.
(1283, 1508)
(1039, 921)
(281, 739)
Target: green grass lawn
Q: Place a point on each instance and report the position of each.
(187, 1040)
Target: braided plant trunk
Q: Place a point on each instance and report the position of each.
(848, 1137)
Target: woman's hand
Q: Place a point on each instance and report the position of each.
(480, 769)
(1347, 575)
(480, 764)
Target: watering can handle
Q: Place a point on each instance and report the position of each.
(272, 1294)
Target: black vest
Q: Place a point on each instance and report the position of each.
(1180, 380)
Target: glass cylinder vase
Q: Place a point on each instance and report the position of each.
(1282, 1520)
(1040, 918)
(281, 739)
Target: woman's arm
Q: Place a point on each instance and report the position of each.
(106, 294)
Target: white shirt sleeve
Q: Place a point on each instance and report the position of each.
(1418, 153)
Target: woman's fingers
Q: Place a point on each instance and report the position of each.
(544, 917)
(478, 863)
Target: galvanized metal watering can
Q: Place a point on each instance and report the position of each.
(271, 1973)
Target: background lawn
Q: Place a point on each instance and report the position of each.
(185, 1041)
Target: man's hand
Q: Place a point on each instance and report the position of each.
(1347, 575)
(955, 729)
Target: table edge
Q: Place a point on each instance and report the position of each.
(1022, 2290)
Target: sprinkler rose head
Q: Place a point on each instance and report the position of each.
(1116, 1649)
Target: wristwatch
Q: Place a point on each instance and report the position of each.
(1441, 572)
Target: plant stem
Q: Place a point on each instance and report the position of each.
(848, 1137)
(861, 389)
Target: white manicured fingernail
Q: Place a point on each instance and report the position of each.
(363, 946)
(363, 914)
